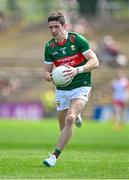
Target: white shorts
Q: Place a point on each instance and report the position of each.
(63, 97)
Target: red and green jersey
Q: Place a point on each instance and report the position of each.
(70, 52)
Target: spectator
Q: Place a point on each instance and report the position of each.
(9, 86)
(110, 53)
(120, 95)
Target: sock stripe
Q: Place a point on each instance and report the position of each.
(57, 152)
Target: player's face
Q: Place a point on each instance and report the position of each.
(56, 29)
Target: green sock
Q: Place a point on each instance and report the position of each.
(57, 152)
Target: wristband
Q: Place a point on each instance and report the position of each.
(80, 70)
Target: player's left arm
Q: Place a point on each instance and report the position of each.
(48, 63)
(92, 62)
(88, 53)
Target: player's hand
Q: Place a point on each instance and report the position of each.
(71, 72)
(48, 77)
(52, 79)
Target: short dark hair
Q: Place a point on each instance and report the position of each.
(57, 17)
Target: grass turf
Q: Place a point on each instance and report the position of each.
(95, 151)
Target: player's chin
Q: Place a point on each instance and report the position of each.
(54, 35)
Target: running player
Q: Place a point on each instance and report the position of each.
(73, 50)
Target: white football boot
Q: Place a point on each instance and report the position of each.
(78, 121)
(51, 161)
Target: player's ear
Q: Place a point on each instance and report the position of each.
(65, 26)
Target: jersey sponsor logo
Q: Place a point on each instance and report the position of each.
(52, 45)
(58, 103)
(73, 60)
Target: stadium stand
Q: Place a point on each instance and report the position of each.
(21, 57)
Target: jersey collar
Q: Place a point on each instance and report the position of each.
(64, 41)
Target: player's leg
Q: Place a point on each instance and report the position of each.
(124, 111)
(79, 98)
(61, 117)
(118, 116)
(76, 107)
(62, 108)
(63, 102)
(78, 121)
(122, 116)
(82, 93)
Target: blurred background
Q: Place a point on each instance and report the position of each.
(24, 93)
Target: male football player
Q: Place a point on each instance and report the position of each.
(73, 50)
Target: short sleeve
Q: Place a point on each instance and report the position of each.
(83, 44)
(47, 55)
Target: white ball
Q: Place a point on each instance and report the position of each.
(59, 78)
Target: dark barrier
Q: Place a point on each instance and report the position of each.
(105, 113)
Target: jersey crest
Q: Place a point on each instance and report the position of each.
(52, 45)
(72, 38)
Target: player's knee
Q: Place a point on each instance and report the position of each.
(69, 120)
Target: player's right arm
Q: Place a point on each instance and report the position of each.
(48, 63)
(48, 69)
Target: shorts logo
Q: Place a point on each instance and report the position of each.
(58, 103)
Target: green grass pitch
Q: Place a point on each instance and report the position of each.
(95, 151)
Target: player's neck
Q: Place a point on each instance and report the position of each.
(63, 37)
